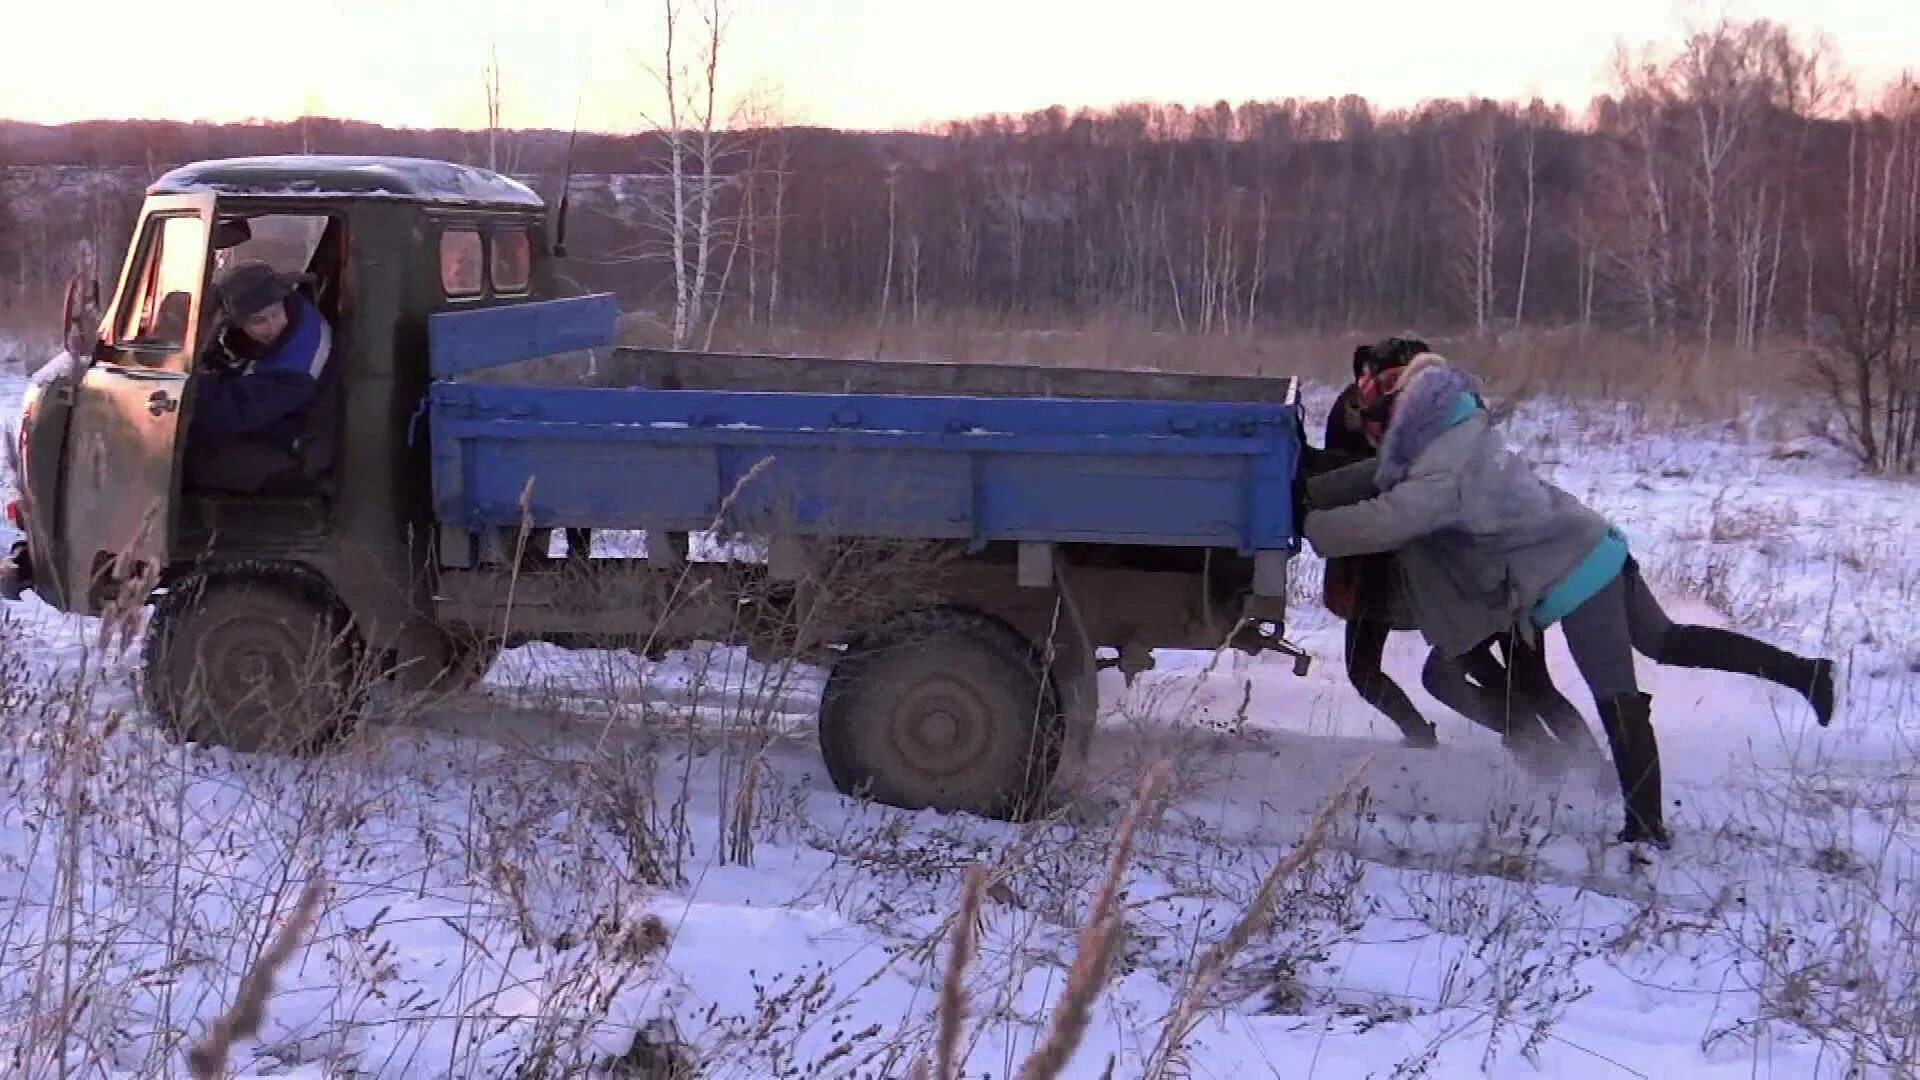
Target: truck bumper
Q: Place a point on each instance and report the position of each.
(16, 572)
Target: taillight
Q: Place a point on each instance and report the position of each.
(28, 402)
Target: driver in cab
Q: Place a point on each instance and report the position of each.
(256, 385)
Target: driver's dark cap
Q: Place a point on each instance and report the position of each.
(248, 287)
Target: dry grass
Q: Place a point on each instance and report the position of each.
(1168, 1052)
(208, 1058)
(1563, 362)
(953, 994)
(1098, 941)
(549, 855)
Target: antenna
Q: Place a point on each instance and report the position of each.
(566, 187)
(566, 176)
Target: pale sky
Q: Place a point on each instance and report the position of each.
(845, 63)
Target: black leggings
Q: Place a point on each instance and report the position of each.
(1605, 632)
(1366, 649)
(1496, 690)
(1520, 686)
(1624, 618)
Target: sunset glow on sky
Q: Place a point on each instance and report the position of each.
(846, 63)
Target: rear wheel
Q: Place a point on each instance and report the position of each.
(472, 658)
(252, 662)
(948, 710)
(457, 662)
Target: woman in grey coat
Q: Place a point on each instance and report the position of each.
(1488, 547)
(1511, 694)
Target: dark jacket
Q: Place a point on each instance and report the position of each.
(1483, 540)
(1363, 587)
(267, 403)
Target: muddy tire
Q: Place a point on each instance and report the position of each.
(460, 661)
(252, 662)
(472, 658)
(948, 710)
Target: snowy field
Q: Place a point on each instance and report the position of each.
(591, 848)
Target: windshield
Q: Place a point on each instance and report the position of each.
(285, 242)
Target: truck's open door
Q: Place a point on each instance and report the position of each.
(123, 441)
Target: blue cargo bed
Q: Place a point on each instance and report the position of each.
(979, 469)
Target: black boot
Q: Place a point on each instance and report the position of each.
(1446, 680)
(1636, 758)
(1533, 747)
(1491, 705)
(1714, 649)
(1384, 694)
(1569, 728)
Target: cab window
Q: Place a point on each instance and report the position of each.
(461, 263)
(286, 242)
(512, 263)
(172, 254)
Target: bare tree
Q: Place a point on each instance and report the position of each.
(768, 172)
(490, 78)
(1530, 129)
(1868, 356)
(701, 151)
(1475, 179)
(1586, 250)
(309, 108)
(503, 149)
(1636, 197)
(893, 229)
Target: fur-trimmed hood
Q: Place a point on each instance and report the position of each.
(1436, 398)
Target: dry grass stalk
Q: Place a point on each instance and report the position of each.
(1098, 941)
(953, 990)
(208, 1058)
(1214, 963)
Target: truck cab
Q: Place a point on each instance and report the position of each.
(387, 242)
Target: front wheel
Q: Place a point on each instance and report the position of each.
(253, 663)
(948, 710)
(458, 661)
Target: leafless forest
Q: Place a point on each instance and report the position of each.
(1732, 207)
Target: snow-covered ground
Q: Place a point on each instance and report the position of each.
(592, 846)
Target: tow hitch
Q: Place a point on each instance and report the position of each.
(1253, 638)
(16, 572)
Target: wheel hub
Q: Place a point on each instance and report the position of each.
(940, 726)
(251, 668)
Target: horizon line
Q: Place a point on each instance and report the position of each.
(1580, 114)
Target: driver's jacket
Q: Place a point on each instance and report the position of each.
(265, 404)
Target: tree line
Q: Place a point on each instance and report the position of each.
(1728, 192)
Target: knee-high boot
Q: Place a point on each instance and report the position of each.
(1636, 758)
(1713, 649)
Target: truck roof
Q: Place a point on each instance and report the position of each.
(353, 177)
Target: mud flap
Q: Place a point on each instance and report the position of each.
(1075, 672)
(16, 572)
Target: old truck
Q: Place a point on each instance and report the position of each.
(1046, 517)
